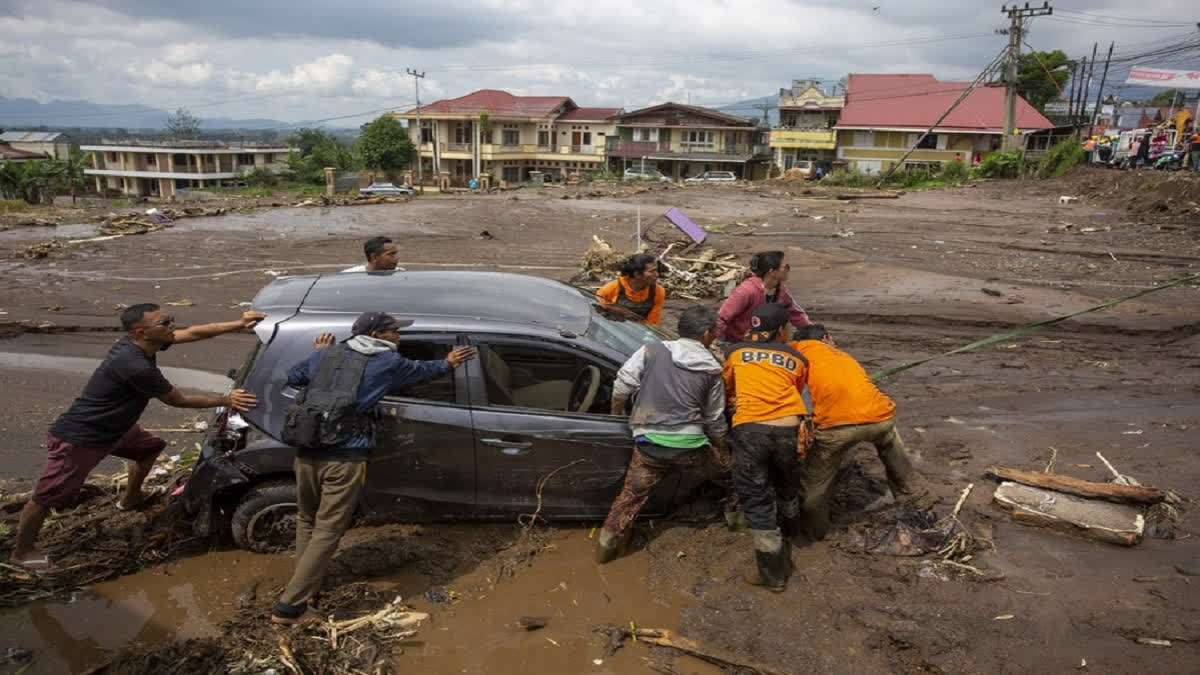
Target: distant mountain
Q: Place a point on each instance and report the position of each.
(26, 112)
(746, 108)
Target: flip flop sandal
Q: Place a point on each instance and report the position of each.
(309, 616)
(37, 565)
(147, 496)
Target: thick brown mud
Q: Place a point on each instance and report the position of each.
(907, 283)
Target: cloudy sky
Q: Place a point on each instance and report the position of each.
(303, 60)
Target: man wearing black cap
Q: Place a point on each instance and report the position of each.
(766, 377)
(329, 480)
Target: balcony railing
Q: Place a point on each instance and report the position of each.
(457, 147)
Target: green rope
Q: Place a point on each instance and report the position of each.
(1028, 328)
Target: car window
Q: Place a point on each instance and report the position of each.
(542, 377)
(617, 328)
(441, 389)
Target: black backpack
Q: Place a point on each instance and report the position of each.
(325, 414)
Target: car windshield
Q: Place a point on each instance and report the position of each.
(617, 328)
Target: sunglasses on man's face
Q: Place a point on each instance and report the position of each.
(165, 321)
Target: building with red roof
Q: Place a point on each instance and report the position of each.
(494, 134)
(884, 116)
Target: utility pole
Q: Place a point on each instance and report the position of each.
(417, 77)
(1100, 89)
(1087, 85)
(1071, 97)
(1016, 16)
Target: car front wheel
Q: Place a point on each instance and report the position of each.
(264, 521)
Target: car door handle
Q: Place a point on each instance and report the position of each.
(508, 447)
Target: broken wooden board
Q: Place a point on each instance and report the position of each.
(1103, 521)
(1076, 486)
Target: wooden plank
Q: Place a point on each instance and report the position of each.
(1077, 486)
(1102, 521)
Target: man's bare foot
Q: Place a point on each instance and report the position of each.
(146, 496)
(34, 562)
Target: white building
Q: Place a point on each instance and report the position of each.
(159, 168)
(52, 144)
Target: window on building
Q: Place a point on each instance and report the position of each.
(645, 135)
(510, 137)
(426, 132)
(697, 138)
(930, 142)
(151, 159)
(544, 139)
(246, 158)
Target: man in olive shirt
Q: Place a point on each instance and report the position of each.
(102, 421)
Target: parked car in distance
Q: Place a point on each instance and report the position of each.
(712, 176)
(470, 445)
(387, 189)
(805, 168)
(636, 173)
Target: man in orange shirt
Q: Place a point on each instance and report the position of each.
(637, 289)
(766, 377)
(848, 409)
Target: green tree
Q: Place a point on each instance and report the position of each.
(384, 145)
(317, 149)
(1035, 84)
(183, 124)
(1166, 98)
(36, 181)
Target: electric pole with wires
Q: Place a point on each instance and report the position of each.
(1017, 17)
(417, 77)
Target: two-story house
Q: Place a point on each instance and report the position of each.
(508, 137)
(807, 116)
(159, 168)
(884, 116)
(683, 140)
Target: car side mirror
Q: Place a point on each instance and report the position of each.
(231, 373)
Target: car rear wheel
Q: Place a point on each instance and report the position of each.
(264, 521)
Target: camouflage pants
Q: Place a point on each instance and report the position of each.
(645, 472)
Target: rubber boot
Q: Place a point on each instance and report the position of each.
(606, 546)
(771, 561)
(736, 521)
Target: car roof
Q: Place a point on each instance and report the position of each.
(455, 296)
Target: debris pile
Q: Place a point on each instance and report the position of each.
(364, 639)
(134, 223)
(41, 249)
(702, 274)
(95, 541)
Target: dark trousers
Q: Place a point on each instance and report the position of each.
(765, 468)
(646, 471)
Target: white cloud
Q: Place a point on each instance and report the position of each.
(158, 72)
(226, 59)
(324, 74)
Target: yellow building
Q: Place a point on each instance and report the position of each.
(511, 138)
(681, 141)
(807, 116)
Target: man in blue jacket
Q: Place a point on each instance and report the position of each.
(329, 480)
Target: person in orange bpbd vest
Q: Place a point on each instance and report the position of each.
(637, 289)
(764, 378)
(848, 409)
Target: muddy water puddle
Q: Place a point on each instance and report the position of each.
(475, 630)
(184, 599)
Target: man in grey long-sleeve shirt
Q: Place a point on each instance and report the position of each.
(678, 423)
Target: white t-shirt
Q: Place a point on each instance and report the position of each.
(363, 268)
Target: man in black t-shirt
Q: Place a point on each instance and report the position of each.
(102, 421)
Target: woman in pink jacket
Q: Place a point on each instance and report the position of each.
(770, 271)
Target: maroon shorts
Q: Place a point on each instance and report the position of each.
(68, 465)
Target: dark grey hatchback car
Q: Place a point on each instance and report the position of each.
(470, 445)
